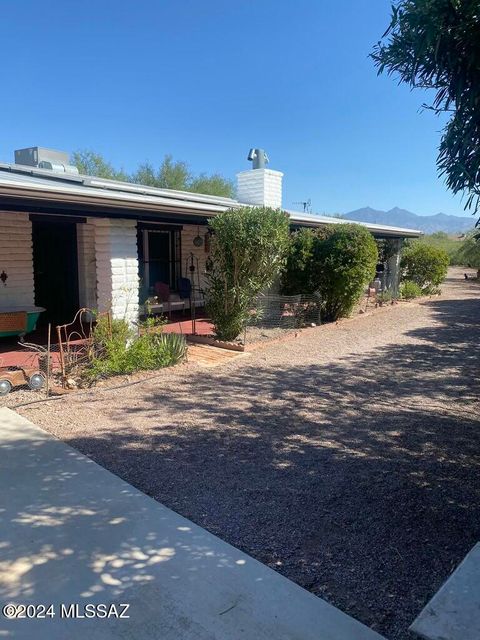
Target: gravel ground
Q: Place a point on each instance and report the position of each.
(347, 459)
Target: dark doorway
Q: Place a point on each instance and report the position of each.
(55, 268)
(159, 254)
(159, 261)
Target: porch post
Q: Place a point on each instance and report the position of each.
(117, 267)
(393, 267)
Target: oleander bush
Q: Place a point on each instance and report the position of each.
(248, 251)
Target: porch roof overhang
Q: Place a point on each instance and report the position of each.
(41, 191)
(377, 230)
(36, 192)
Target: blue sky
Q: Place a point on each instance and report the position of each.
(206, 80)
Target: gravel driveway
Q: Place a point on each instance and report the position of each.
(347, 459)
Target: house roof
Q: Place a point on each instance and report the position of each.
(21, 183)
(313, 220)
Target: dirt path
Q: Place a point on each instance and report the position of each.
(347, 459)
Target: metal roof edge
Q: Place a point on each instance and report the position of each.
(302, 218)
(114, 185)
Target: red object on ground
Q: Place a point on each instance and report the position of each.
(12, 354)
(203, 327)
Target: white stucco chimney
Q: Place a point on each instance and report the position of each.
(260, 186)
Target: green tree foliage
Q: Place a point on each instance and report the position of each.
(298, 276)
(90, 163)
(145, 174)
(171, 174)
(451, 244)
(344, 263)
(468, 253)
(214, 184)
(248, 250)
(174, 175)
(337, 262)
(425, 265)
(433, 44)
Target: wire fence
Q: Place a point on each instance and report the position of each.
(273, 316)
(67, 359)
(51, 368)
(57, 365)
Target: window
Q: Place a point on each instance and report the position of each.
(160, 258)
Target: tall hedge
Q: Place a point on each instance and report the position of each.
(345, 263)
(425, 265)
(249, 249)
(337, 262)
(297, 277)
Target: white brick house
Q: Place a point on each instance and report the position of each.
(69, 241)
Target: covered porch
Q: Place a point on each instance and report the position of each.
(53, 264)
(15, 354)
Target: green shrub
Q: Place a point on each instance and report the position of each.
(122, 352)
(451, 244)
(410, 290)
(336, 262)
(425, 265)
(107, 329)
(384, 297)
(248, 250)
(153, 324)
(344, 263)
(298, 276)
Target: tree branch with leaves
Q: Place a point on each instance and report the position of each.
(171, 174)
(434, 44)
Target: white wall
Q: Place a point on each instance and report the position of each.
(260, 187)
(16, 259)
(117, 267)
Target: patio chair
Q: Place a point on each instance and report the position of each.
(167, 300)
(185, 292)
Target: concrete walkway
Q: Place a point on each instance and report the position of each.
(73, 533)
(454, 611)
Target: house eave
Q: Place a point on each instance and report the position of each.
(23, 187)
(380, 231)
(10, 195)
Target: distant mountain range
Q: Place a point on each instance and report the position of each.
(402, 218)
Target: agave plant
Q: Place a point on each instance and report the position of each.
(175, 345)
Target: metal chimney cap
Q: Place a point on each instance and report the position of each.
(258, 158)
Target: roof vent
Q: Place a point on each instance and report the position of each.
(50, 159)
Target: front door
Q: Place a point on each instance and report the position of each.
(55, 268)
